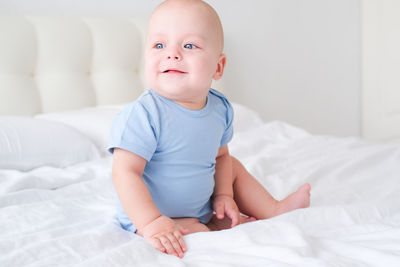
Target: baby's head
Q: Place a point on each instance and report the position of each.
(184, 50)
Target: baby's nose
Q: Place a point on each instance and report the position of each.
(174, 55)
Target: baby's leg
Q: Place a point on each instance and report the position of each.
(192, 224)
(254, 200)
(225, 223)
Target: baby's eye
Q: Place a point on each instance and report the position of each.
(190, 46)
(159, 46)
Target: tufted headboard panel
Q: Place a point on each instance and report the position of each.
(55, 63)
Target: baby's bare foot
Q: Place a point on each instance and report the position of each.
(296, 200)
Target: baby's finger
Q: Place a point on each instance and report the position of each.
(234, 216)
(176, 245)
(179, 237)
(167, 245)
(157, 244)
(220, 210)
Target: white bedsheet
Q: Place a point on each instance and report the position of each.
(63, 217)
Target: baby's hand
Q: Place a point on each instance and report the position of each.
(165, 235)
(224, 204)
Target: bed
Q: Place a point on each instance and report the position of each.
(62, 80)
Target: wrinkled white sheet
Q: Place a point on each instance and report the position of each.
(63, 217)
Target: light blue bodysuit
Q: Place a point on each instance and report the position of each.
(180, 146)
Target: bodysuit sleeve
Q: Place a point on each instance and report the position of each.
(133, 129)
(228, 134)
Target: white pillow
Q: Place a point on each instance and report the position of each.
(245, 118)
(93, 122)
(27, 143)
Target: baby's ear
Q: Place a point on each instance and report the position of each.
(220, 67)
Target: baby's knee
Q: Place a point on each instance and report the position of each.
(198, 227)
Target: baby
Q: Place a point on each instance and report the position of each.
(172, 170)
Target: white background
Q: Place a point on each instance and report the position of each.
(292, 60)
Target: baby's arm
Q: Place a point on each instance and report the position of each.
(223, 191)
(135, 198)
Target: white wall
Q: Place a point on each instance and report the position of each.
(291, 60)
(380, 70)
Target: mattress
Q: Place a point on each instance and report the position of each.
(65, 216)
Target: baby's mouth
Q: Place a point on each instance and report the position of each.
(174, 71)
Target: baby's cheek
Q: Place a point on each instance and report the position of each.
(150, 72)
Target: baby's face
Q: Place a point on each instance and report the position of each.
(183, 52)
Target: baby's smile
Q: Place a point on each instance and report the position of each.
(174, 71)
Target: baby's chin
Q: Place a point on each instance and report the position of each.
(180, 93)
(173, 93)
